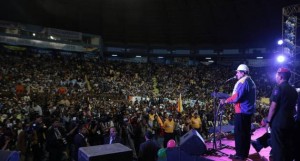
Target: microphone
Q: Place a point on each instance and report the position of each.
(230, 79)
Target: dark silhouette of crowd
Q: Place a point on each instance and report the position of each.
(48, 100)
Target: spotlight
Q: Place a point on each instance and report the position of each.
(280, 59)
(280, 42)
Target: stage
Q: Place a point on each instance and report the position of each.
(228, 148)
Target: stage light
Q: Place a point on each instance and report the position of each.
(280, 42)
(138, 56)
(259, 57)
(160, 57)
(114, 55)
(280, 59)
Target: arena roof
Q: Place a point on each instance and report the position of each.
(186, 23)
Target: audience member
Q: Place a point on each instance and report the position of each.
(148, 149)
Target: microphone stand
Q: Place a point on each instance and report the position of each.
(215, 149)
(215, 120)
(220, 114)
(217, 116)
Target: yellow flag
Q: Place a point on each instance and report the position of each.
(179, 104)
(87, 83)
(160, 122)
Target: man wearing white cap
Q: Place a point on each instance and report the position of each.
(243, 97)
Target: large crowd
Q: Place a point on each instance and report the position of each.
(39, 92)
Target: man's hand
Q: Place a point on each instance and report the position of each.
(268, 128)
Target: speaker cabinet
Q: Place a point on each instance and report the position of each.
(108, 152)
(176, 154)
(192, 143)
(224, 128)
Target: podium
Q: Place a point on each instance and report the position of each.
(108, 152)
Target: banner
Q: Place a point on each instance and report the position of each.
(134, 60)
(64, 34)
(40, 44)
(259, 62)
(15, 48)
(10, 25)
(32, 28)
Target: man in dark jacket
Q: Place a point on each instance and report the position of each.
(148, 149)
(80, 140)
(281, 116)
(56, 141)
(113, 137)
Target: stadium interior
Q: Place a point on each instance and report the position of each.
(101, 64)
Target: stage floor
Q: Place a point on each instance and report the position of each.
(228, 148)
